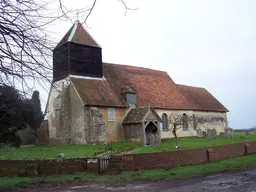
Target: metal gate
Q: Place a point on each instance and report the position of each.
(110, 165)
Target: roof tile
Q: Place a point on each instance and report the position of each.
(153, 88)
(201, 99)
(78, 34)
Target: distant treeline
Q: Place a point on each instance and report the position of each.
(243, 130)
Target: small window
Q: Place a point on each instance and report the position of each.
(131, 99)
(111, 114)
(165, 122)
(185, 122)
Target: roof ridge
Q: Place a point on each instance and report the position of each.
(72, 33)
(132, 66)
(189, 86)
(89, 33)
(74, 28)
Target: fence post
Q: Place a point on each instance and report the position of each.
(99, 165)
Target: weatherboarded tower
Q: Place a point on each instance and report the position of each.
(77, 54)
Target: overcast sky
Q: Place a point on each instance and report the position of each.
(205, 43)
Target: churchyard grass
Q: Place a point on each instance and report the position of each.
(196, 142)
(70, 151)
(174, 173)
(47, 152)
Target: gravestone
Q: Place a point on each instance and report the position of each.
(199, 133)
(228, 133)
(152, 139)
(158, 140)
(211, 133)
(214, 133)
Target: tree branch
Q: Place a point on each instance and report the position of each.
(127, 8)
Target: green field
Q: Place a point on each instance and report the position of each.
(174, 173)
(196, 142)
(46, 152)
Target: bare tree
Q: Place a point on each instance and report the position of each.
(178, 121)
(26, 45)
(184, 121)
(86, 12)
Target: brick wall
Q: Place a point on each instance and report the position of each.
(186, 157)
(251, 147)
(14, 168)
(226, 151)
(130, 162)
(164, 160)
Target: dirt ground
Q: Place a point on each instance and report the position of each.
(235, 181)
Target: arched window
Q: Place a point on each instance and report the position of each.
(185, 122)
(194, 122)
(165, 122)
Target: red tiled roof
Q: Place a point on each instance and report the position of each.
(153, 88)
(78, 34)
(96, 92)
(201, 99)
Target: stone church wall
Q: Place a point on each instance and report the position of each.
(63, 129)
(217, 125)
(57, 113)
(95, 132)
(70, 122)
(113, 129)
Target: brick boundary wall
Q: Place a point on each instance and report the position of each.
(186, 157)
(14, 168)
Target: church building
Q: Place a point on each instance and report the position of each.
(91, 101)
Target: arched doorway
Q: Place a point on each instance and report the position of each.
(151, 128)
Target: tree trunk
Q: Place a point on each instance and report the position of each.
(175, 136)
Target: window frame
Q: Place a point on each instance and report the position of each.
(185, 122)
(166, 128)
(134, 98)
(111, 110)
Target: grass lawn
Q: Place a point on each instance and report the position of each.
(46, 152)
(174, 173)
(196, 142)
